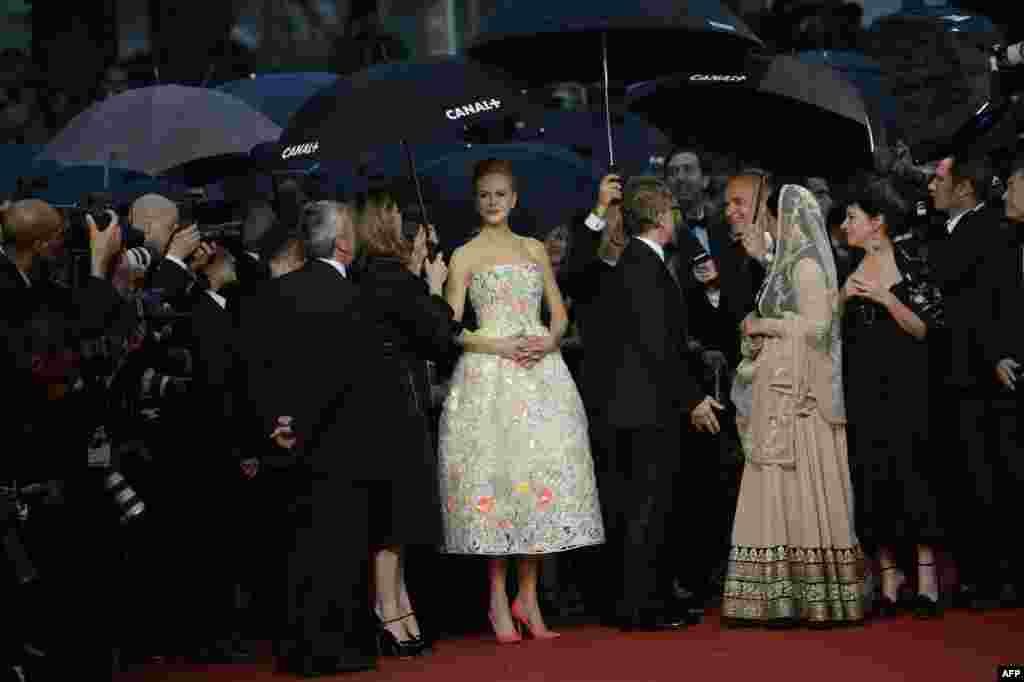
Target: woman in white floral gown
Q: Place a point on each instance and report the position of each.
(516, 475)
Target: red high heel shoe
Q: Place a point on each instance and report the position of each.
(514, 638)
(520, 617)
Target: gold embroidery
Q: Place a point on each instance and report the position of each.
(816, 585)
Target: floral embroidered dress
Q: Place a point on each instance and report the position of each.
(516, 473)
(795, 554)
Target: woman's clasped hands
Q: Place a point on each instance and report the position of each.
(526, 351)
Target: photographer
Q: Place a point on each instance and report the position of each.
(55, 341)
(171, 244)
(211, 519)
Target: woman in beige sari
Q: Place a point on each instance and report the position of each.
(795, 557)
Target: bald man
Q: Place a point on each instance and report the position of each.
(158, 219)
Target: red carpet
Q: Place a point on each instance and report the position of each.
(965, 647)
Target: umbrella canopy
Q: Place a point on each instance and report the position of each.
(150, 130)
(645, 38)
(278, 95)
(740, 108)
(583, 132)
(435, 100)
(553, 185)
(937, 71)
(866, 75)
(67, 185)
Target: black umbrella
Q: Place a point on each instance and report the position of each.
(813, 102)
(436, 100)
(613, 42)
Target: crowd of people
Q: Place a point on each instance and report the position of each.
(749, 390)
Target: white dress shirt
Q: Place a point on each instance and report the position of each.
(336, 265)
(218, 299)
(955, 220)
(658, 248)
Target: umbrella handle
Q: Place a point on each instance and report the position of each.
(607, 101)
(416, 180)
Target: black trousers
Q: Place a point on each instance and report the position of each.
(328, 611)
(637, 471)
(985, 474)
(705, 505)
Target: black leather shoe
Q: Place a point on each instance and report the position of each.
(659, 623)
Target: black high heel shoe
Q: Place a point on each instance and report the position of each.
(924, 607)
(389, 645)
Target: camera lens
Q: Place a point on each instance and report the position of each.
(128, 503)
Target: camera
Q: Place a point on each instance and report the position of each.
(214, 219)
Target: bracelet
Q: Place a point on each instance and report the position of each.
(600, 211)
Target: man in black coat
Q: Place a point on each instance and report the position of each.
(965, 265)
(1007, 344)
(301, 341)
(637, 383)
(43, 327)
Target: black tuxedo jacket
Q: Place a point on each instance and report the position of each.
(965, 268)
(301, 342)
(638, 373)
(210, 343)
(740, 275)
(1007, 337)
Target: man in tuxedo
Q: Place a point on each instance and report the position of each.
(637, 383)
(301, 345)
(213, 513)
(702, 227)
(965, 265)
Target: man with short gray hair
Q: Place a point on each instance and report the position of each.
(302, 344)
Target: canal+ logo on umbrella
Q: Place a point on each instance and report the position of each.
(473, 108)
(300, 150)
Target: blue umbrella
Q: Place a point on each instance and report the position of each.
(68, 185)
(553, 185)
(278, 95)
(16, 162)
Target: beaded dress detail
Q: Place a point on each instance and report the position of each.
(516, 474)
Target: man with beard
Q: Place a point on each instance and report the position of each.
(703, 228)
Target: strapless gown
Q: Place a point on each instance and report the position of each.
(516, 473)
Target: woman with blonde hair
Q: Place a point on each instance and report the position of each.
(516, 475)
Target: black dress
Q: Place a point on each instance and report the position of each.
(887, 395)
(410, 326)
